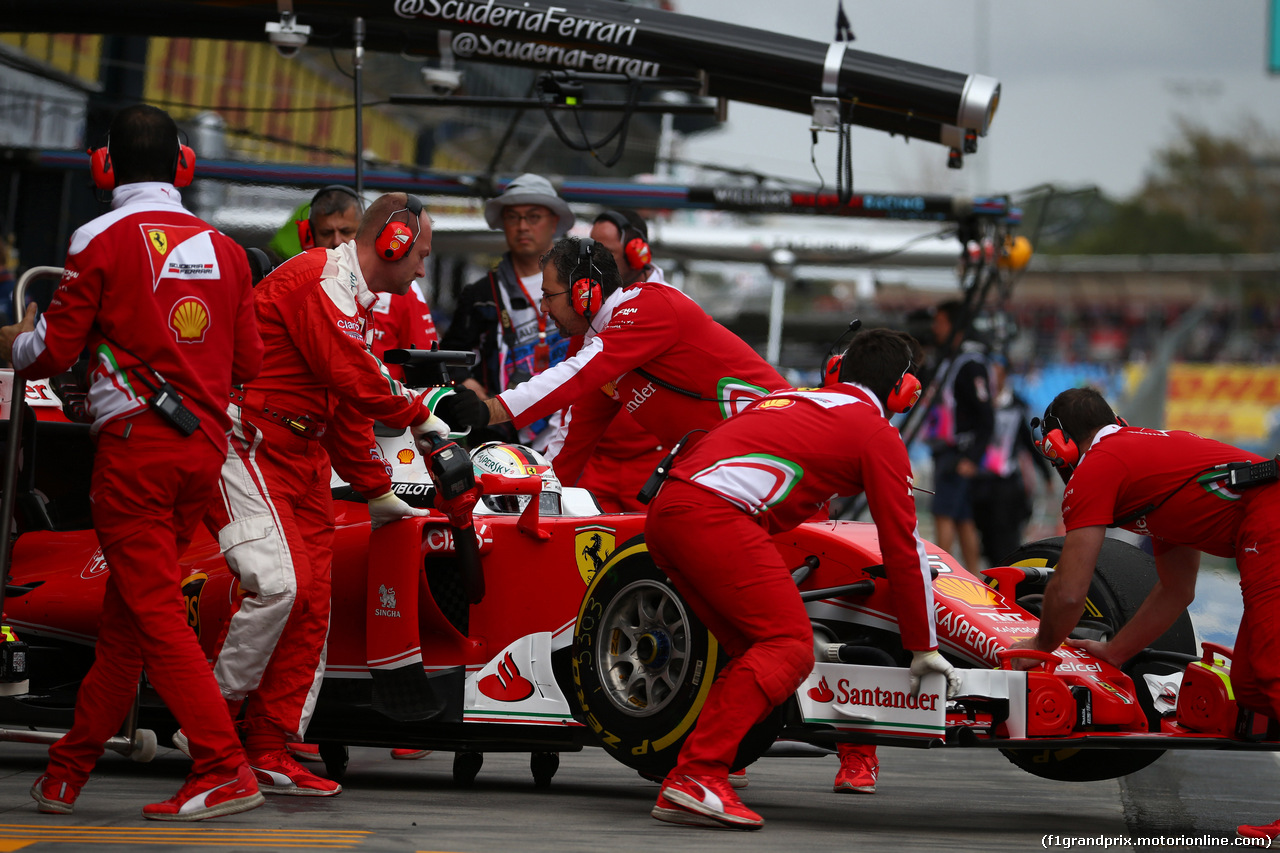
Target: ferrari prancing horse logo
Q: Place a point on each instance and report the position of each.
(159, 240)
(592, 546)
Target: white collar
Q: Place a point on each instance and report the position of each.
(1109, 429)
(145, 192)
(348, 258)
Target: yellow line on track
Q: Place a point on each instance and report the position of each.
(17, 836)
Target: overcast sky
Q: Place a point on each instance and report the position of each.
(1091, 88)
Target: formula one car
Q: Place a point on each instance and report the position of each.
(518, 617)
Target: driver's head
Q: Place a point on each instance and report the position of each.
(144, 145)
(334, 217)
(878, 359)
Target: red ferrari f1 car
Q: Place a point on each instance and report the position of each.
(545, 627)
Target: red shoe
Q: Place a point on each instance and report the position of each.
(738, 778)
(208, 795)
(409, 754)
(858, 769)
(278, 773)
(53, 796)
(713, 797)
(305, 751)
(668, 812)
(1270, 830)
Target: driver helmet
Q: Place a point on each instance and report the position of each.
(516, 460)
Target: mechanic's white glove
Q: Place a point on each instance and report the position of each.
(422, 434)
(926, 662)
(387, 508)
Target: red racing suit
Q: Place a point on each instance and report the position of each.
(401, 322)
(316, 395)
(648, 328)
(1127, 469)
(764, 472)
(149, 283)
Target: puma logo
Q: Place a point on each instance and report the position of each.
(1251, 549)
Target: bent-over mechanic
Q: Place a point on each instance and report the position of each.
(1175, 487)
(710, 529)
(647, 349)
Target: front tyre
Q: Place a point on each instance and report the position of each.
(643, 664)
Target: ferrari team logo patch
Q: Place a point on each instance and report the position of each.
(593, 545)
(159, 240)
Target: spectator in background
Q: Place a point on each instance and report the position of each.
(399, 321)
(1002, 490)
(960, 428)
(498, 316)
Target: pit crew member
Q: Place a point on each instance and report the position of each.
(627, 453)
(331, 218)
(710, 530)
(648, 349)
(163, 302)
(313, 402)
(498, 315)
(1171, 486)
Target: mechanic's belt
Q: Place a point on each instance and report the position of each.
(301, 425)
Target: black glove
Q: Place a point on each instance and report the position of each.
(462, 410)
(72, 391)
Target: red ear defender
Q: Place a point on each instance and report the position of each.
(905, 394)
(586, 296)
(305, 238)
(100, 167)
(831, 373)
(396, 238)
(185, 171)
(637, 253)
(1059, 449)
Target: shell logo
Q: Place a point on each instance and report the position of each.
(970, 592)
(189, 320)
(780, 403)
(404, 457)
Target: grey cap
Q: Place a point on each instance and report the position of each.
(529, 189)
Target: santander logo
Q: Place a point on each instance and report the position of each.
(507, 684)
(821, 693)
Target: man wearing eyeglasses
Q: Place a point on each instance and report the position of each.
(497, 316)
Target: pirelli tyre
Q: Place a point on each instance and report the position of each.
(643, 664)
(1123, 577)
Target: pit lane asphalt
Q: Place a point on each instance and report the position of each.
(928, 801)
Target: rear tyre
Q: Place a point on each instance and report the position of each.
(1123, 577)
(643, 664)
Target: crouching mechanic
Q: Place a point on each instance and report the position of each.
(648, 348)
(161, 299)
(313, 401)
(1171, 486)
(710, 530)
